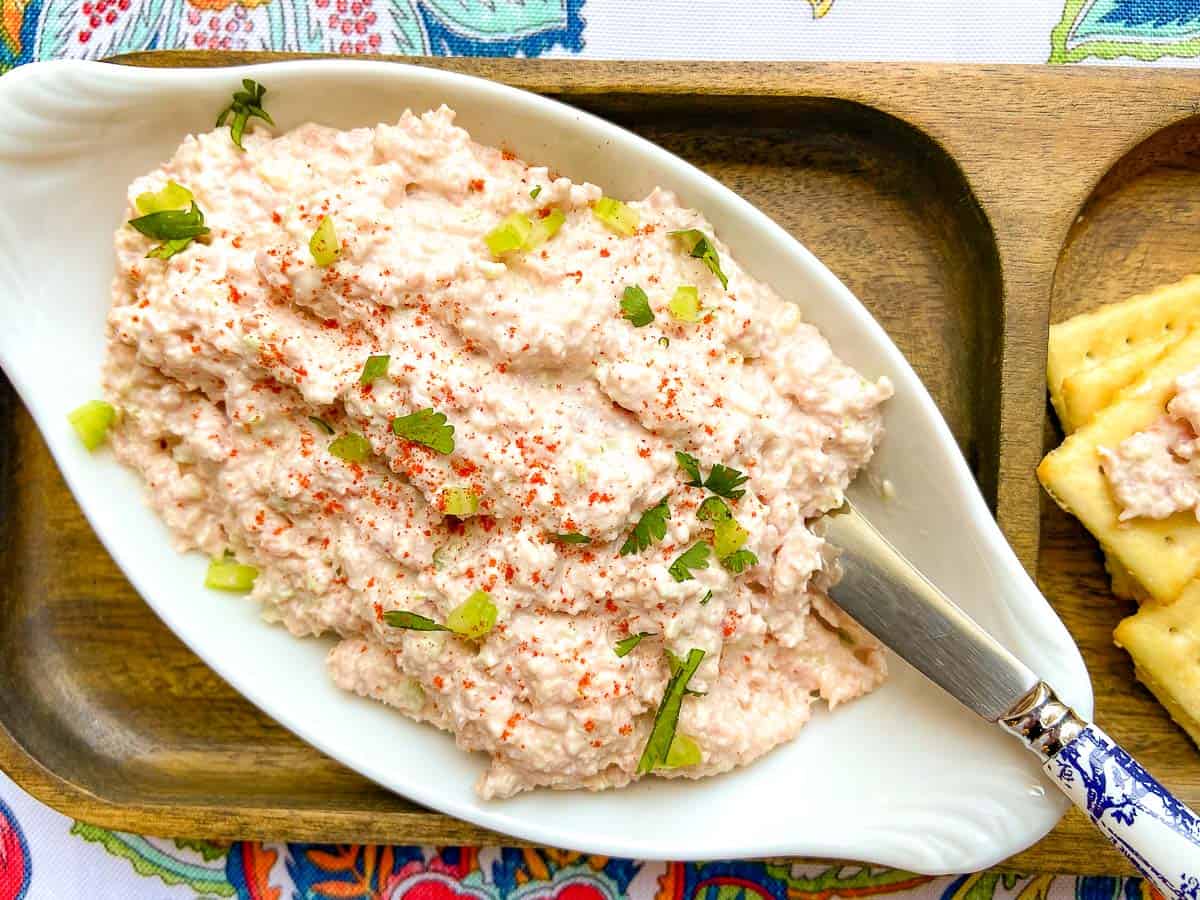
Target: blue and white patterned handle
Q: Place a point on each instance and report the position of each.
(1144, 821)
(1158, 833)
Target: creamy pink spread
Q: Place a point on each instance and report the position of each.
(567, 419)
(1156, 472)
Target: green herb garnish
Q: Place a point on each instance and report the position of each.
(698, 245)
(650, 528)
(666, 720)
(740, 561)
(722, 480)
(726, 482)
(227, 574)
(167, 249)
(351, 447)
(92, 421)
(571, 537)
(537, 189)
(246, 105)
(427, 427)
(321, 424)
(635, 306)
(375, 367)
(176, 228)
(694, 557)
(704, 600)
(324, 245)
(691, 466)
(400, 618)
(625, 646)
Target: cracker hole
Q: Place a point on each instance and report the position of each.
(1169, 539)
(1169, 326)
(1089, 355)
(1172, 630)
(1127, 341)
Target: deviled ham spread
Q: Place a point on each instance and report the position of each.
(1156, 472)
(545, 465)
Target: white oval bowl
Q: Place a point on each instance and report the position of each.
(903, 777)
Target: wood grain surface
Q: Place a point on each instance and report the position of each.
(943, 196)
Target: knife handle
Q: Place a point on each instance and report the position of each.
(1158, 833)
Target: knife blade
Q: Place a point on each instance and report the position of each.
(886, 594)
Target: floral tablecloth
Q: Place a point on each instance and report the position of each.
(44, 856)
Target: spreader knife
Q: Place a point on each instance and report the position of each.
(889, 597)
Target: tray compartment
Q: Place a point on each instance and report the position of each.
(1139, 228)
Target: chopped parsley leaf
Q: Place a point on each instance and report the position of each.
(722, 480)
(400, 618)
(635, 306)
(695, 557)
(176, 228)
(691, 466)
(726, 482)
(571, 537)
(246, 105)
(650, 528)
(625, 646)
(698, 245)
(666, 720)
(427, 427)
(321, 424)
(740, 561)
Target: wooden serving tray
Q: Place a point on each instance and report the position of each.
(965, 206)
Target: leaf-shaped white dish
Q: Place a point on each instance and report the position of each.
(903, 777)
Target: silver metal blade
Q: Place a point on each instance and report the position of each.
(886, 594)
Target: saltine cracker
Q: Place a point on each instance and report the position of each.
(1091, 339)
(1163, 555)
(1164, 641)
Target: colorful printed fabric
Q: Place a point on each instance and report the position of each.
(44, 856)
(1026, 31)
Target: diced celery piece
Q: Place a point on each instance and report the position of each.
(474, 617)
(228, 574)
(324, 244)
(684, 752)
(544, 229)
(728, 537)
(375, 367)
(511, 234)
(173, 196)
(616, 215)
(350, 447)
(685, 305)
(91, 422)
(461, 502)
